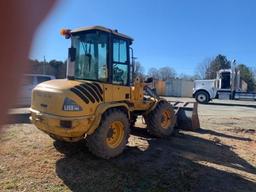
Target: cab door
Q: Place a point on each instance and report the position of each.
(120, 69)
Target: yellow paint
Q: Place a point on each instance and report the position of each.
(48, 99)
(137, 90)
(166, 119)
(101, 109)
(51, 124)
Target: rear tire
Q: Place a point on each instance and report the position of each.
(55, 138)
(202, 97)
(161, 121)
(111, 137)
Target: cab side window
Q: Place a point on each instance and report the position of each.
(120, 62)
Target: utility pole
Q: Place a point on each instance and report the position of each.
(44, 66)
(233, 78)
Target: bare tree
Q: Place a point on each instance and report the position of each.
(153, 72)
(185, 76)
(188, 77)
(203, 67)
(139, 70)
(254, 71)
(167, 73)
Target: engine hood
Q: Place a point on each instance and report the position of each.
(211, 83)
(48, 97)
(58, 84)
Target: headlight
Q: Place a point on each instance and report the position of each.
(70, 105)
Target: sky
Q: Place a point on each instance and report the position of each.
(175, 33)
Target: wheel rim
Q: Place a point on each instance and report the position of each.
(115, 134)
(201, 98)
(166, 119)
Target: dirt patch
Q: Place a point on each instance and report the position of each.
(217, 157)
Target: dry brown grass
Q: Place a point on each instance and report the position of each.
(219, 157)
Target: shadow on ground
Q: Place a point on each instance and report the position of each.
(166, 165)
(18, 118)
(218, 134)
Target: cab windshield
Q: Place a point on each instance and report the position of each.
(91, 55)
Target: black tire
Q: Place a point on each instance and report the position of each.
(97, 142)
(55, 138)
(154, 120)
(202, 97)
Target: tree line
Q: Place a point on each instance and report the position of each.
(162, 73)
(204, 70)
(53, 67)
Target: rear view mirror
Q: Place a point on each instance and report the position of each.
(72, 54)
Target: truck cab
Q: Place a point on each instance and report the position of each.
(205, 90)
(227, 85)
(222, 87)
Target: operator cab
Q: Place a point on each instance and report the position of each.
(99, 54)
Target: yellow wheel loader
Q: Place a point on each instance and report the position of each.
(100, 98)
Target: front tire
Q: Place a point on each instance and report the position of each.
(202, 97)
(111, 137)
(161, 121)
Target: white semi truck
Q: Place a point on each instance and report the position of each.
(227, 85)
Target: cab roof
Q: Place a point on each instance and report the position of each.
(100, 28)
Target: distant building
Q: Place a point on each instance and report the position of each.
(174, 87)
